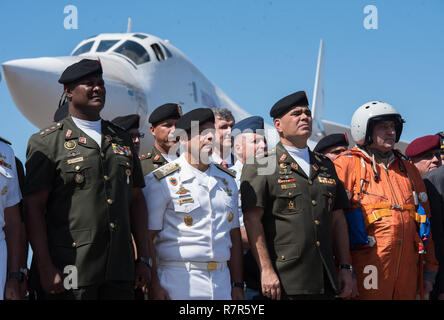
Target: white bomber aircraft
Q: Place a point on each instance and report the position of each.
(141, 72)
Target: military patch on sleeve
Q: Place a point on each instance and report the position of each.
(230, 172)
(166, 170)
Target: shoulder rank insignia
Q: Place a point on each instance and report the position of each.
(145, 156)
(51, 129)
(166, 170)
(230, 172)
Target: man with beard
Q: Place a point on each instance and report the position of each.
(193, 218)
(83, 198)
(163, 123)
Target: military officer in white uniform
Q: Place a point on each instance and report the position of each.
(10, 224)
(249, 142)
(193, 216)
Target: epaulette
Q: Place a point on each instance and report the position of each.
(267, 153)
(166, 170)
(51, 129)
(5, 141)
(145, 156)
(230, 172)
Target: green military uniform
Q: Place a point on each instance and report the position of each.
(297, 217)
(152, 160)
(88, 208)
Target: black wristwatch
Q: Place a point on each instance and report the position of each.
(346, 266)
(16, 275)
(147, 261)
(241, 285)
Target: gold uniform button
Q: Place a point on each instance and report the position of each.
(317, 222)
(102, 154)
(318, 244)
(74, 244)
(310, 182)
(313, 202)
(77, 168)
(127, 164)
(283, 257)
(110, 201)
(105, 177)
(112, 225)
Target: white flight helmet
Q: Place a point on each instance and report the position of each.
(367, 115)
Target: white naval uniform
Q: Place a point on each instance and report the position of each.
(195, 212)
(10, 195)
(237, 168)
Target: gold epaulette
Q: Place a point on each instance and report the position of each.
(145, 156)
(166, 170)
(50, 129)
(230, 172)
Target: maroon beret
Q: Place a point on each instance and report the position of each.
(421, 145)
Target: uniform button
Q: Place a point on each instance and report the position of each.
(283, 257)
(105, 177)
(110, 201)
(318, 244)
(77, 168)
(317, 222)
(290, 193)
(127, 164)
(112, 225)
(313, 202)
(102, 154)
(310, 182)
(74, 244)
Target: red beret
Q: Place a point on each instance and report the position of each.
(421, 145)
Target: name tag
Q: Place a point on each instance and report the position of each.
(75, 160)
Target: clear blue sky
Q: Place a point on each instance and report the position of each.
(258, 51)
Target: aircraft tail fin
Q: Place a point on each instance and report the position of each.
(318, 96)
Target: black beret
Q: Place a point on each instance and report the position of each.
(164, 112)
(78, 70)
(297, 99)
(200, 114)
(250, 124)
(127, 122)
(62, 112)
(332, 140)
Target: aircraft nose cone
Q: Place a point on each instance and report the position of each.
(33, 86)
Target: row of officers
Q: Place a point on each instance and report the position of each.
(188, 220)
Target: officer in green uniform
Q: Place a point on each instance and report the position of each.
(163, 123)
(292, 202)
(130, 124)
(83, 198)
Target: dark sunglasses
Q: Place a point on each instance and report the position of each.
(140, 135)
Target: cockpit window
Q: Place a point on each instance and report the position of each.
(85, 48)
(169, 55)
(133, 51)
(159, 53)
(104, 45)
(140, 36)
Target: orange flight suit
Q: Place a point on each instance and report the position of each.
(390, 216)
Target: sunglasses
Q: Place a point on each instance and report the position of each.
(140, 135)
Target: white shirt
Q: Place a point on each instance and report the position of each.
(91, 128)
(10, 193)
(197, 229)
(237, 168)
(301, 156)
(169, 158)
